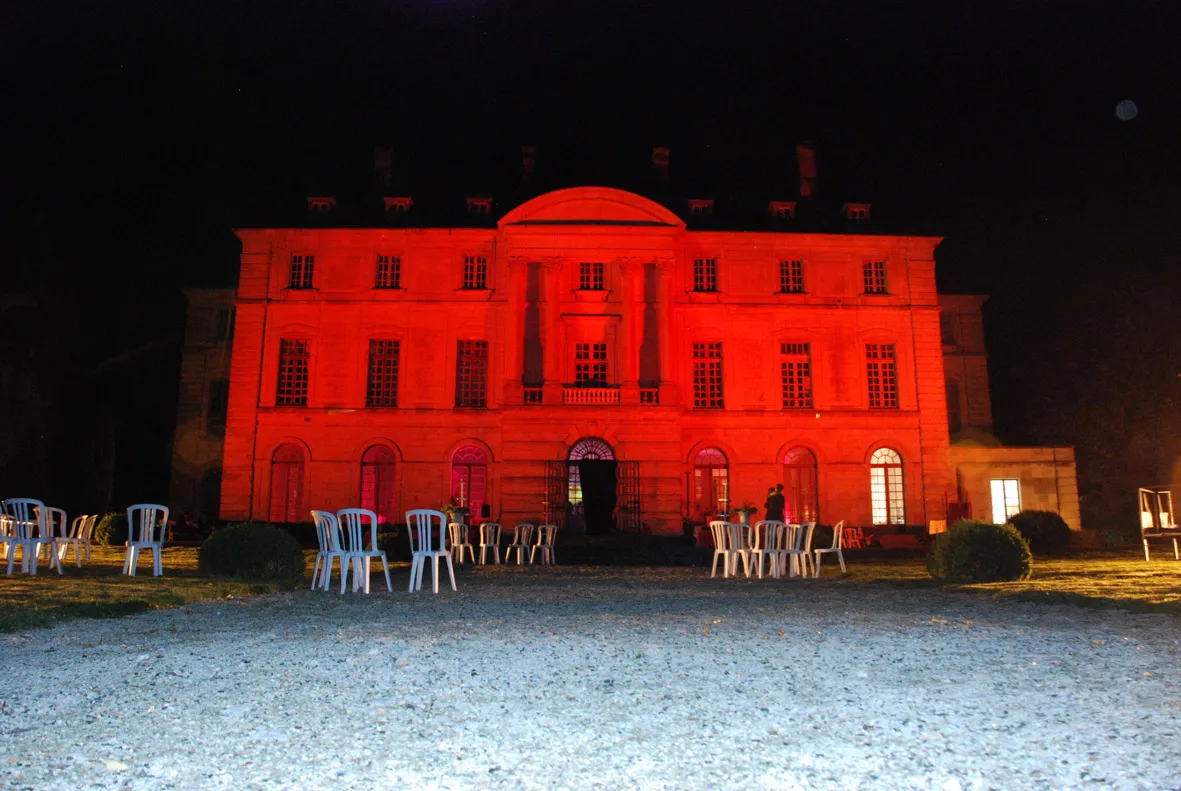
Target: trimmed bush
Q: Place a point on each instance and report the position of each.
(253, 551)
(111, 529)
(979, 552)
(1046, 532)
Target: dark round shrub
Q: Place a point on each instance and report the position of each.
(1046, 531)
(253, 551)
(111, 529)
(979, 552)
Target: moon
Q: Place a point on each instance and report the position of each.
(1126, 110)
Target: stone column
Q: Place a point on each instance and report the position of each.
(518, 269)
(669, 390)
(631, 334)
(551, 339)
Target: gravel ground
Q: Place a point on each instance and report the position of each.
(598, 678)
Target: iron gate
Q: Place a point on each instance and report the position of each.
(627, 496)
(556, 493)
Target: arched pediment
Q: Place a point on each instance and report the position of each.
(591, 206)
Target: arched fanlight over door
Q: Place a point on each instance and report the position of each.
(711, 484)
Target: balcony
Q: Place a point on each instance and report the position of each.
(595, 395)
(532, 396)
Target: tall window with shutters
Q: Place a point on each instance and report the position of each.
(382, 387)
(292, 388)
(882, 375)
(795, 367)
(590, 364)
(471, 374)
(707, 376)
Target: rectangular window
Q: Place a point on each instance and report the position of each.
(791, 277)
(303, 268)
(590, 364)
(947, 328)
(382, 389)
(874, 273)
(1006, 499)
(223, 328)
(882, 373)
(707, 376)
(475, 272)
(293, 373)
(705, 274)
(389, 272)
(590, 276)
(219, 402)
(471, 374)
(796, 370)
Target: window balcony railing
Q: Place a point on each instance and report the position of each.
(650, 396)
(532, 395)
(592, 395)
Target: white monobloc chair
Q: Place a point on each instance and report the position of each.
(81, 530)
(147, 526)
(329, 549)
(838, 532)
(352, 526)
(522, 541)
(806, 557)
(722, 549)
(57, 532)
(457, 535)
(766, 542)
(27, 516)
(490, 539)
(546, 535)
(426, 525)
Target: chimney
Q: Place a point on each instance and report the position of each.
(660, 157)
(528, 160)
(806, 157)
(382, 158)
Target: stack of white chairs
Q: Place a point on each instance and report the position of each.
(457, 535)
(426, 525)
(28, 525)
(81, 530)
(490, 539)
(806, 558)
(352, 526)
(546, 535)
(330, 549)
(838, 531)
(766, 543)
(522, 542)
(147, 527)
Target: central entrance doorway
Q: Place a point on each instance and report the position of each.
(591, 486)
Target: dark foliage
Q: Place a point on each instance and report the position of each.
(1045, 531)
(979, 552)
(394, 541)
(111, 529)
(253, 551)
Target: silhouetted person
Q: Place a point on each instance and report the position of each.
(774, 504)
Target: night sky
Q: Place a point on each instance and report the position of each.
(136, 135)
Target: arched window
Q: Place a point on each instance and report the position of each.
(711, 483)
(377, 483)
(287, 484)
(590, 449)
(469, 480)
(886, 492)
(799, 482)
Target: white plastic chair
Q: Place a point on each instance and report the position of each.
(457, 536)
(27, 517)
(422, 522)
(79, 536)
(147, 525)
(522, 541)
(720, 532)
(546, 535)
(490, 539)
(328, 539)
(56, 536)
(352, 526)
(792, 561)
(809, 529)
(766, 542)
(838, 530)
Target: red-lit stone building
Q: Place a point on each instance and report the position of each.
(590, 359)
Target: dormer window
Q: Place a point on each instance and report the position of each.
(855, 211)
(701, 207)
(398, 205)
(321, 205)
(782, 209)
(479, 205)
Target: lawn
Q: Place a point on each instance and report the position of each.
(99, 590)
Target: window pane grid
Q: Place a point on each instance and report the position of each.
(707, 376)
(874, 273)
(791, 277)
(796, 372)
(303, 268)
(292, 389)
(389, 271)
(471, 374)
(590, 364)
(1006, 499)
(881, 375)
(705, 274)
(475, 272)
(382, 389)
(886, 491)
(591, 276)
